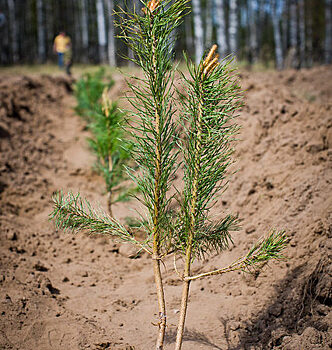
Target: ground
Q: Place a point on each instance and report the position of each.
(64, 291)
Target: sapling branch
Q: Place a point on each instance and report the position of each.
(71, 212)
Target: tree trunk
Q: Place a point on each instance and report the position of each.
(101, 30)
(85, 29)
(252, 32)
(277, 37)
(209, 23)
(284, 26)
(233, 26)
(41, 32)
(302, 32)
(221, 28)
(198, 30)
(328, 31)
(13, 30)
(189, 34)
(50, 28)
(111, 38)
(293, 35)
(309, 57)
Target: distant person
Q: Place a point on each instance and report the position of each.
(62, 43)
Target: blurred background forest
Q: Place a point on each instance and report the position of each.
(284, 33)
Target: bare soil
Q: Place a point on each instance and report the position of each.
(64, 291)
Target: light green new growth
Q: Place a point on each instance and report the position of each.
(207, 113)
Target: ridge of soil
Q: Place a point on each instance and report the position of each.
(61, 291)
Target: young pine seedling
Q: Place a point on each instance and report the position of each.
(111, 148)
(207, 113)
(88, 90)
(108, 140)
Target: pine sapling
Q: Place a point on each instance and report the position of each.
(209, 109)
(112, 149)
(208, 112)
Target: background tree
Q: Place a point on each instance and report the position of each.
(111, 34)
(328, 31)
(102, 42)
(246, 28)
(233, 26)
(277, 36)
(198, 29)
(221, 27)
(41, 31)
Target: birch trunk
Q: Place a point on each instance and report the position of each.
(221, 28)
(198, 30)
(13, 30)
(252, 32)
(209, 22)
(102, 41)
(111, 40)
(302, 32)
(233, 26)
(277, 36)
(328, 31)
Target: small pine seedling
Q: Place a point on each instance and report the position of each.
(207, 113)
(111, 148)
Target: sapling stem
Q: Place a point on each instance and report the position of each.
(156, 221)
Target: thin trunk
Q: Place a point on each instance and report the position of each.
(253, 34)
(260, 25)
(85, 29)
(221, 28)
(13, 30)
(189, 33)
(109, 203)
(111, 36)
(131, 5)
(293, 35)
(183, 314)
(156, 220)
(198, 30)
(302, 32)
(50, 28)
(209, 23)
(284, 26)
(77, 39)
(193, 204)
(101, 30)
(328, 31)
(233, 26)
(4, 38)
(309, 37)
(277, 37)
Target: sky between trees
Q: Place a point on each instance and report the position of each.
(285, 33)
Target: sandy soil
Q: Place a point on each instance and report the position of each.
(64, 291)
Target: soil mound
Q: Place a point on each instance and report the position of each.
(67, 291)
